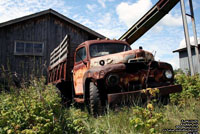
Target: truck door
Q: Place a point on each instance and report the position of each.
(79, 70)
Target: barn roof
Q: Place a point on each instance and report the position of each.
(51, 11)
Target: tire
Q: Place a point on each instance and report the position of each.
(96, 107)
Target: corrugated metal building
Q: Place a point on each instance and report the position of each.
(26, 42)
(183, 59)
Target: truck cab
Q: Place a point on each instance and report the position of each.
(90, 55)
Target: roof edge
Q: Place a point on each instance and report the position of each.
(20, 19)
(23, 18)
(185, 48)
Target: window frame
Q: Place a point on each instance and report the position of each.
(85, 54)
(28, 53)
(106, 43)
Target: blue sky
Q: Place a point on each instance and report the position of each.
(114, 17)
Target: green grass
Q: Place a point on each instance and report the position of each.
(37, 109)
(119, 122)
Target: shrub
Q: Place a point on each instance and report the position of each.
(146, 120)
(35, 109)
(191, 89)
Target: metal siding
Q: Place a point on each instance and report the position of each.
(195, 62)
(183, 57)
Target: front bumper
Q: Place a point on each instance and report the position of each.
(117, 98)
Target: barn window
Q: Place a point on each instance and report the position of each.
(29, 48)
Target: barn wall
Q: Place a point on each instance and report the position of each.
(30, 30)
(48, 29)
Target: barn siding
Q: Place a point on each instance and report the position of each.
(48, 29)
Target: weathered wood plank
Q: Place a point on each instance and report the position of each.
(48, 29)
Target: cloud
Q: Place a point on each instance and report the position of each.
(157, 28)
(109, 25)
(183, 44)
(109, 32)
(91, 7)
(83, 20)
(102, 3)
(129, 13)
(172, 20)
(11, 9)
(106, 19)
(174, 61)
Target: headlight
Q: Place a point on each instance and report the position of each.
(168, 74)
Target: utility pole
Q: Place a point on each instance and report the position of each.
(191, 68)
(194, 32)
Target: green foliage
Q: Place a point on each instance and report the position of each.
(37, 109)
(77, 120)
(178, 71)
(146, 121)
(191, 89)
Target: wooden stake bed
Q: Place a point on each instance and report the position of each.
(58, 62)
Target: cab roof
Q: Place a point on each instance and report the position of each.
(89, 42)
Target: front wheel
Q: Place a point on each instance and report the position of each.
(96, 107)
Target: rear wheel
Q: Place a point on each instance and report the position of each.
(96, 107)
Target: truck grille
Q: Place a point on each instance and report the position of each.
(140, 65)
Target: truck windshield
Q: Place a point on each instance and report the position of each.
(101, 49)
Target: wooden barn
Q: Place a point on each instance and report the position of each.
(26, 42)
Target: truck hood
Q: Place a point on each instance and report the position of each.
(122, 57)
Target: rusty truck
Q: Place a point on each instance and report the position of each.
(108, 71)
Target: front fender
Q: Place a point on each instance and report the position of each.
(97, 73)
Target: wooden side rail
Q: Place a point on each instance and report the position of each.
(59, 53)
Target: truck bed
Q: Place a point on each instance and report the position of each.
(58, 62)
